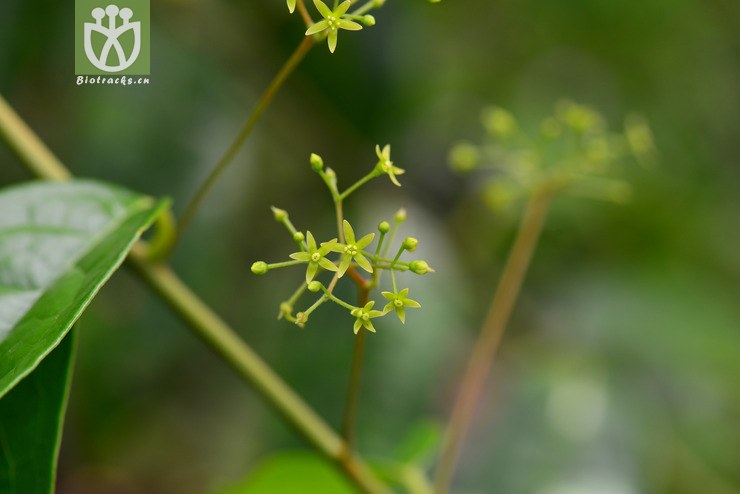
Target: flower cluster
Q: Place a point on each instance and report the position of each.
(350, 255)
(338, 17)
(572, 151)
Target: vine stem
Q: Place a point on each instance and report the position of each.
(349, 421)
(207, 325)
(192, 208)
(27, 147)
(490, 335)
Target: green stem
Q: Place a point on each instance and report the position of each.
(367, 7)
(304, 13)
(160, 245)
(338, 207)
(29, 149)
(391, 235)
(337, 300)
(192, 208)
(223, 340)
(357, 185)
(490, 336)
(315, 305)
(284, 264)
(395, 262)
(349, 422)
(299, 291)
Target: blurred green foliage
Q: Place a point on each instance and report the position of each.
(619, 373)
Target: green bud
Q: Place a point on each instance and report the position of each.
(314, 286)
(316, 162)
(499, 122)
(580, 118)
(368, 20)
(332, 177)
(410, 244)
(378, 3)
(464, 157)
(400, 216)
(420, 267)
(280, 214)
(260, 267)
(500, 194)
(301, 318)
(639, 136)
(299, 237)
(384, 227)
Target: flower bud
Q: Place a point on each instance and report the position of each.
(301, 318)
(260, 267)
(314, 286)
(280, 214)
(420, 267)
(368, 20)
(331, 176)
(400, 216)
(316, 162)
(499, 122)
(299, 236)
(384, 227)
(410, 244)
(464, 157)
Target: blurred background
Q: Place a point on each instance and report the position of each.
(620, 371)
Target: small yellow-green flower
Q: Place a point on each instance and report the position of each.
(399, 302)
(315, 256)
(364, 316)
(333, 21)
(385, 165)
(352, 250)
(291, 5)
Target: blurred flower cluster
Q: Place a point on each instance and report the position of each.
(571, 150)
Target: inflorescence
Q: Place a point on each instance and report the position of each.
(572, 151)
(339, 17)
(349, 254)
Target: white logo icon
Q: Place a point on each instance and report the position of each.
(112, 33)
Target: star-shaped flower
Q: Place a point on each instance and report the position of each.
(364, 316)
(291, 5)
(352, 249)
(333, 22)
(399, 302)
(315, 256)
(385, 165)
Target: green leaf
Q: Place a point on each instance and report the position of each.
(31, 417)
(420, 443)
(59, 243)
(291, 472)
